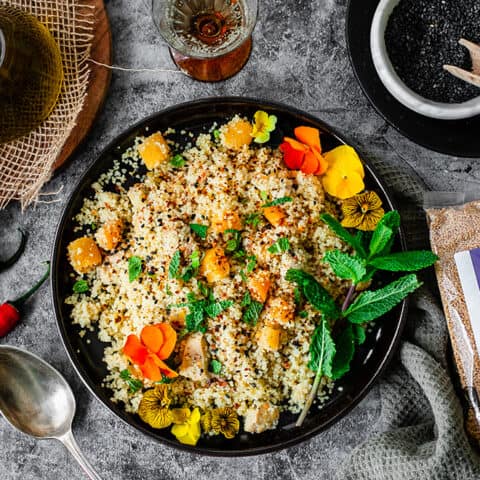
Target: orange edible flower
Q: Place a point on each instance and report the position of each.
(305, 152)
(156, 343)
(135, 350)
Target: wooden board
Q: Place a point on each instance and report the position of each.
(98, 82)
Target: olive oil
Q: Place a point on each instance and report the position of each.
(31, 73)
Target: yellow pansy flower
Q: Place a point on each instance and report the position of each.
(189, 431)
(363, 211)
(263, 124)
(344, 176)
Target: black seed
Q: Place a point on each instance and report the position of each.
(422, 36)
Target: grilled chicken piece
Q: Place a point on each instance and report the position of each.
(194, 357)
(259, 419)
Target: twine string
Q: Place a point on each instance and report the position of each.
(134, 70)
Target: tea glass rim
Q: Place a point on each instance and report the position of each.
(239, 42)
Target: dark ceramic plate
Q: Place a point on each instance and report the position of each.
(453, 137)
(86, 356)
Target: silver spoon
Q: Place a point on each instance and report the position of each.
(37, 400)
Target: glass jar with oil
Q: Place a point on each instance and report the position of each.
(31, 73)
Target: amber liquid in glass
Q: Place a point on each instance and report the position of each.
(31, 73)
(205, 28)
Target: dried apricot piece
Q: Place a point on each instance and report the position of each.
(215, 265)
(154, 150)
(275, 215)
(237, 133)
(84, 254)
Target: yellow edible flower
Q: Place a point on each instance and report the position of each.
(154, 407)
(262, 126)
(189, 431)
(344, 176)
(224, 421)
(362, 211)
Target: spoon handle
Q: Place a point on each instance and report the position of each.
(69, 441)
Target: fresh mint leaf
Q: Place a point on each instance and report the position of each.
(322, 349)
(315, 294)
(359, 333)
(216, 308)
(134, 384)
(134, 268)
(215, 366)
(405, 261)
(280, 246)
(345, 266)
(370, 305)
(345, 346)
(297, 296)
(252, 312)
(303, 314)
(380, 239)
(177, 161)
(200, 230)
(320, 299)
(277, 201)
(80, 286)
(253, 219)
(344, 234)
(384, 234)
(174, 267)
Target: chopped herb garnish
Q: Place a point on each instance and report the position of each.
(134, 384)
(280, 246)
(203, 289)
(278, 201)
(251, 263)
(264, 195)
(165, 379)
(134, 268)
(167, 290)
(253, 219)
(201, 309)
(80, 286)
(177, 161)
(303, 314)
(192, 269)
(174, 267)
(216, 134)
(251, 314)
(243, 276)
(200, 230)
(234, 244)
(215, 366)
(93, 226)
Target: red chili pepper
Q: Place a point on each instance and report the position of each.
(9, 311)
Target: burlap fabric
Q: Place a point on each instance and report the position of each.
(26, 163)
(420, 435)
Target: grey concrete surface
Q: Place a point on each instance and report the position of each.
(299, 58)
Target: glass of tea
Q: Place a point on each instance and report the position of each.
(209, 40)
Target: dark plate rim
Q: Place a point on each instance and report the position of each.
(444, 151)
(72, 356)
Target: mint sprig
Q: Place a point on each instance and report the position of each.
(371, 305)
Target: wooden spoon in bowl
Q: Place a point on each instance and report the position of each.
(472, 77)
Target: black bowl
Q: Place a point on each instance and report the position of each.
(86, 357)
